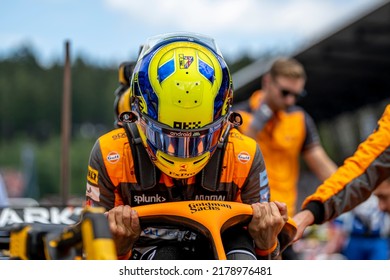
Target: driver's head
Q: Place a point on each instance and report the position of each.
(182, 94)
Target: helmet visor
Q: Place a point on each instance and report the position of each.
(182, 143)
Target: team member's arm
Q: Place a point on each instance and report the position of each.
(353, 182)
(314, 154)
(260, 117)
(319, 162)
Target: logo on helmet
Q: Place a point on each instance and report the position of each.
(187, 125)
(185, 61)
(181, 175)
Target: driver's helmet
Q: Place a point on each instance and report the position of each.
(182, 95)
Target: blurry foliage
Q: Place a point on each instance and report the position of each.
(46, 164)
(31, 96)
(30, 115)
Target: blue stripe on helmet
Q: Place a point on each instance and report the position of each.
(206, 70)
(149, 96)
(165, 70)
(225, 85)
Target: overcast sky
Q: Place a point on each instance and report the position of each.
(110, 31)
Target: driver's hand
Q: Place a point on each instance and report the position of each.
(267, 222)
(125, 227)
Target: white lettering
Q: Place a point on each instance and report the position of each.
(148, 199)
(180, 134)
(64, 216)
(53, 215)
(40, 215)
(9, 216)
(210, 197)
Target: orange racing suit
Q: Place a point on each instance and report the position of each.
(111, 179)
(283, 138)
(355, 180)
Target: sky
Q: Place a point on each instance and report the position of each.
(107, 32)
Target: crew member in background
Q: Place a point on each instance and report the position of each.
(284, 132)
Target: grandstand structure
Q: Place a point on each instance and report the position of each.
(347, 68)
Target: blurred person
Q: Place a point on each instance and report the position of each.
(179, 142)
(122, 93)
(362, 233)
(383, 194)
(3, 193)
(14, 182)
(361, 175)
(284, 131)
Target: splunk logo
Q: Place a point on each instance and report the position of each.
(145, 199)
(202, 206)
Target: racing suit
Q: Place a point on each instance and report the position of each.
(355, 180)
(111, 182)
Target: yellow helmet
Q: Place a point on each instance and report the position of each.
(182, 94)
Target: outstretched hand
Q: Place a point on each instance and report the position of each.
(267, 222)
(125, 227)
(302, 219)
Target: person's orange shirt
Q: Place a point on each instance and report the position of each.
(281, 141)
